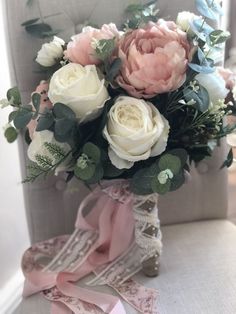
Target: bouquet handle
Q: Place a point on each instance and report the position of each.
(147, 232)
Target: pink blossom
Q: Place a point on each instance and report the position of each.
(228, 76)
(41, 89)
(154, 59)
(81, 48)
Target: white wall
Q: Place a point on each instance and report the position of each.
(13, 229)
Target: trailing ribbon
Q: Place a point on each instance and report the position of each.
(103, 243)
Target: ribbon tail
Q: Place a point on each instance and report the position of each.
(143, 299)
(108, 304)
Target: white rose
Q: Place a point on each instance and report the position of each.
(135, 131)
(79, 88)
(37, 147)
(50, 52)
(184, 19)
(214, 84)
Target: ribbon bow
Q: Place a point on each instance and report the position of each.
(103, 244)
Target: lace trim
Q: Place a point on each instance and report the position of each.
(74, 253)
(146, 219)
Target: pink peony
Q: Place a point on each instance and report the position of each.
(81, 49)
(154, 59)
(42, 89)
(228, 76)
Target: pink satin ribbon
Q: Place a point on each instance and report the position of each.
(109, 222)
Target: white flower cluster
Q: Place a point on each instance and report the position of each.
(50, 52)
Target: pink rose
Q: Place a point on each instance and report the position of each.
(228, 76)
(81, 49)
(154, 59)
(41, 89)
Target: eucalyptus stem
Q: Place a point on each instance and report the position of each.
(29, 110)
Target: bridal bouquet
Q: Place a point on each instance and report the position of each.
(138, 105)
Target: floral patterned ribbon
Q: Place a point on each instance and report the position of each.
(103, 243)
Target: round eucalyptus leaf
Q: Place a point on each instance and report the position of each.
(181, 154)
(177, 181)
(92, 151)
(12, 116)
(171, 162)
(44, 123)
(11, 134)
(62, 111)
(86, 173)
(159, 188)
(22, 118)
(141, 182)
(13, 94)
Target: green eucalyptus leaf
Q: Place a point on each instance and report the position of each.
(63, 129)
(12, 116)
(36, 99)
(92, 151)
(141, 183)
(13, 95)
(45, 122)
(30, 22)
(62, 111)
(22, 118)
(218, 37)
(27, 137)
(177, 181)
(11, 134)
(38, 30)
(159, 188)
(168, 161)
(86, 173)
(181, 153)
(229, 160)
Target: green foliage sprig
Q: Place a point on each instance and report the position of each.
(46, 164)
(140, 14)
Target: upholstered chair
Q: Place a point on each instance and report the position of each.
(198, 266)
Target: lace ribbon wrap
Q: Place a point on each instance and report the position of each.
(147, 232)
(116, 235)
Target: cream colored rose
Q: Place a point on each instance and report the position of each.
(80, 88)
(135, 131)
(184, 19)
(50, 52)
(38, 147)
